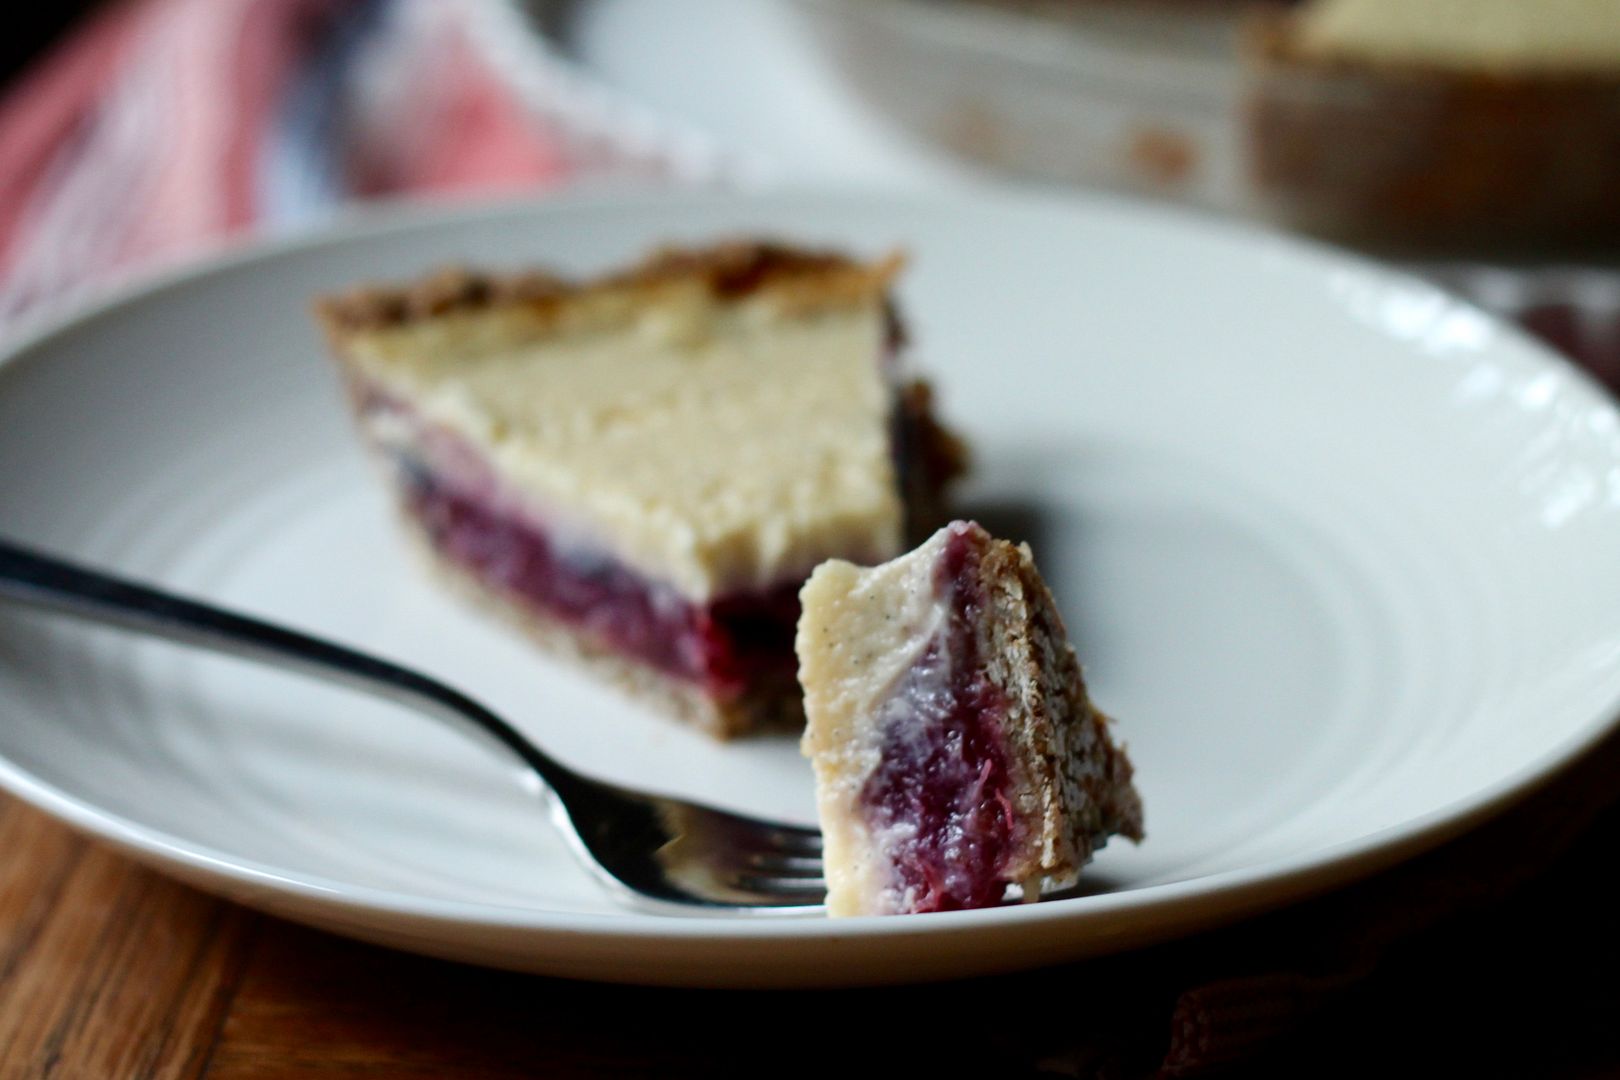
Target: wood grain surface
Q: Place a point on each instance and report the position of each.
(110, 970)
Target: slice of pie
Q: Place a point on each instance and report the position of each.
(644, 468)
(955, 749)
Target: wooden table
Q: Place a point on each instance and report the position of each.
(109, 970)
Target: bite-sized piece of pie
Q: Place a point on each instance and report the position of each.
(645, 467)
(955, 749)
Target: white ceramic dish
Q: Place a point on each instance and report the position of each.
(1338, 551)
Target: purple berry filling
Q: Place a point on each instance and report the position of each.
(939, 797)
(725, 645)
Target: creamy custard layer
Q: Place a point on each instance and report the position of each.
(862, 632)
(716, 447)
(1518, 36)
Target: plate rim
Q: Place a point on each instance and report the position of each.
(1226, 895)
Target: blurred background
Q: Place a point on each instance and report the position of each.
(1477, 141)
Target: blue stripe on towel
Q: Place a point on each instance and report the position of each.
(301, 167)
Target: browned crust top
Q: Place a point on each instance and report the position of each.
(728, 271)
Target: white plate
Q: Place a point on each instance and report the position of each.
(1340, 554)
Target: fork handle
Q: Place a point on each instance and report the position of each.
(42, 581)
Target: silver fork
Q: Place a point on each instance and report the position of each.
(655, 852)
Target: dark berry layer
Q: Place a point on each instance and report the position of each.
(726, 645)
(939, 798)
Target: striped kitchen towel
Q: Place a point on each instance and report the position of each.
(165, 128)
